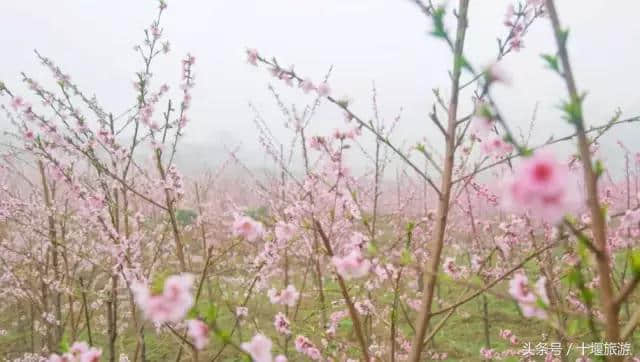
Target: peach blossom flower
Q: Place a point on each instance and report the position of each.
(199, 332)
(259, 348)
(252, 56)
(246, 227)
(540, 185)
(351, 266)
(323, 89)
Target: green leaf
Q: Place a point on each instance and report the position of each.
(186, 216)
(526, 152)
(224, 335)
(552, 62)
(599, 168)
(157, 284)
(462, 62)
(635, 262)
(193, 313)
(372, 249)
(346, 324)
(564, 36)
(406, 257)
(410, 226)
(587, 295)
(210, 313)
(541, 304)
(438, 23)
(484, 111)
(573, 110)
(573, 327)
(574, 277)
(64, 343)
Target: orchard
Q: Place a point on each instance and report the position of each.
(476, 244)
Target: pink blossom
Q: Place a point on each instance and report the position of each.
(516, 43)
(452, 269)
(496, 146)
(487, 353)
(280, 358)
(305, 346)
(79, 352)
(199, 332)
(79, 348)
(495, 73)
(506, 333)
(314, 354)
(57, 358)
(288, 296)
(242, 312)
(92, 355)
(528, 297)
(252, 56)
(29, 135)
(246, 227)
(365, 307)
(282, 324)
(307, 85)
(259, 348)
(170, 306)
(519, 286)
(511, 11)
(540, 184)
(316, 143)
(323, 89)
(351, 266)
(17, 103)
(285, 231)
(302, 343)
(481, 125)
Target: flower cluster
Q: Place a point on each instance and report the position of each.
(351, 266)
(288, 296)
(540, 185)
(79, 352)
(528, 298)
(247, 228)
(171, 305)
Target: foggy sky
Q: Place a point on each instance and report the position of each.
(381, 41)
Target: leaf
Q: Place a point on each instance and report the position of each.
(552, 62)
(573, 327)
(599, 168)
(526, 152)
(346, 324)
(210, 313)
(64, 343)
(186, 216)
(372, 249)
(224, 335)
(564, 36)
(406, 257)
(438, 23)
(157, 285)
(635, 262)
(573, 110)
(587, 295)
